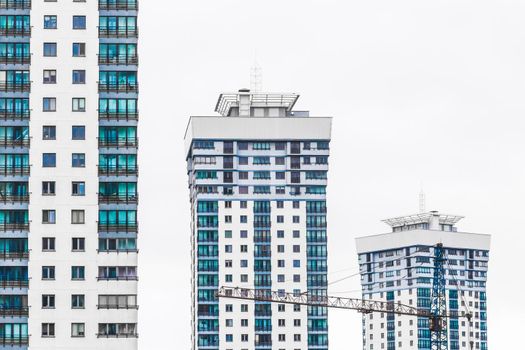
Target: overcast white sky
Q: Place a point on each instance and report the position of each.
(420, 91)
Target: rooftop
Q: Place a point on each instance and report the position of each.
(444, 219)
(227, 101)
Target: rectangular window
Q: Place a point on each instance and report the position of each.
(50, 22)
(77, 272)
(78, 188)
(48, 330)
(79, 49)
(50, 49)
(77, 216)
(49, 104)
(48, 244)
(77, 301)
(79, 104)
(78, 132)
(49, 132)
(78, 160)
(50, 76)
(79, 77)
(48, 188)
(48, 272)
(48, 216)
(48, 301)
(77, 330)
(79, 22)
(78, 244)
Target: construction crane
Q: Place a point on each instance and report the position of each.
(437, 314)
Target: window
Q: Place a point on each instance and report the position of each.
(77, 301)
(244, 307)
(229, 338)
(50, 76)
(48, 216)
(48, 244)
(296, 219)
(48, 272)
(77, 272)
(79, 104)
(48, 301)
(49, 104)
(49, 160)
(79, 22)
(78, 132)
(296, 233)
(297, 263)
(78, 244)
(48, 132)
(244, 204)
(280, 233)
(50, 22)
(77, 216)
(244, 248)
(48, 330)
(244, 263)
(78, 160)
(228, 248)
(50, 49)
(280, 248)
(280, 219)
(79, 49)
(79, 77)
(228, 234)
(296, 248)
(280, 204)
(244, 219)
(296, 204)
(78, 188)
(244, 234)
(48, 188)
(77, 330)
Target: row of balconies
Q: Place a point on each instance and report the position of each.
(102, 227)
(102, 199)
(107, 33)
(12, 142)
(12, 86)
(26, 114)
(118, 5)
(15, 4)
(102, 60)
(24, 170)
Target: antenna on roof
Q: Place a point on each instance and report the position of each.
(422, 200)
(256, 76)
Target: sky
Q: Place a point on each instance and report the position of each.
(423, 93)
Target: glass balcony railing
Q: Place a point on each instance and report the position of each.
(13, 283)
(8, 311)
(118, 142)
(117, 227)
(118, 60)
(117, 199)
(122, 5)
(116, 87)
(12, 114)
(14, 341)
(117, 170)
(23, 31)
(15, 86)
(115, 33)
(11, 59)
(12, 142)
(21, 170)
(14, 256)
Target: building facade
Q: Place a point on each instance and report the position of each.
(257, 178)
(68, 174)
(399, 267)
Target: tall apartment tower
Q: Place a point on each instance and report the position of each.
(257, 178)
(399, 267)
(68, 174)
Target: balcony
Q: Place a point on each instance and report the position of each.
(12, 341)
(117, 199)
(11, 142)
(131, 227)
(118, 171)
(15, 4)
(119, 335)
(11, 86)
(118, 33)
(25, 59)
(117, 307)
(118, 5)
(14, 114)
(117, 278)
(117, 143)
(119, 60)
(14, 312)
(118, 87)
(14, 256)
(118, 115)
(22, 170)
(13, 32)
(14, 284)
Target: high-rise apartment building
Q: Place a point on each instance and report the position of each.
(257, 178)
(399, 267)
(68, 174)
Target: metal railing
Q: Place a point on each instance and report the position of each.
(118, 115)
(118, 171)
(15, 31)
(14, 312)
(11, 142)
(12, 86)
(120, 142)
(14, 115)
(118, 60)
(117, 335)
(118, 32)
(15, 170)
(133, 228)
(14, 256)
(15, 4)
(117, 307)
(123, 5)
(127, 87)
(13, 341)
(13, 284)
(117, 278)
(117, 199)
(12, 198)
(25, 59)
